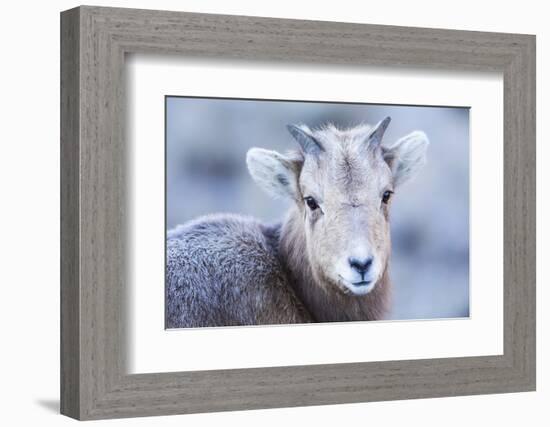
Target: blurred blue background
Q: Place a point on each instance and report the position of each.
(207, 141)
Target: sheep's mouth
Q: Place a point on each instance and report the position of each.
(360, 288)
(362, 283)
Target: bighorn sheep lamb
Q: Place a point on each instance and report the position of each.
(327, 261)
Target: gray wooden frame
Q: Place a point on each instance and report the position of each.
(94, 41)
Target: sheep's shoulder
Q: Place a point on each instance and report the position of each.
(225, 244)
(225, 269)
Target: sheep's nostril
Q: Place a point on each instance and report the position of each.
(360, 265)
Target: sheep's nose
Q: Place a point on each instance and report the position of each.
(360, 265)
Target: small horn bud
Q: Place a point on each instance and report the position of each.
(379, 130)
(309, 144)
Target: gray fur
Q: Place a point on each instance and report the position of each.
(224, 270)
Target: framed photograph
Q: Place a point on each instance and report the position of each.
(262, 213)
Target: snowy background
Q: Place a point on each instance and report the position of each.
(207, 140)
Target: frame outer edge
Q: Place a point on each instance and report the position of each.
(70, 396)
(528, 168)
(520, 216)
(88, 388)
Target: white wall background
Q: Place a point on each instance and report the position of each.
(29, 224)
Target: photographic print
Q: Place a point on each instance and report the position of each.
(293, 212)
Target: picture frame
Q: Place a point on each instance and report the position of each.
(94, 268)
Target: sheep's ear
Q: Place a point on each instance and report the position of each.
(406, 156)
(273, 172)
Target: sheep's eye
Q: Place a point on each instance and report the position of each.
(311, 203)
(386, 196)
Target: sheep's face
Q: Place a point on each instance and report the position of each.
(345, 202)
(342, 182)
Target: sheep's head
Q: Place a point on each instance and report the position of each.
(342, 182)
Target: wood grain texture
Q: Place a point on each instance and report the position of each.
(70, 292)
(94, 382)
